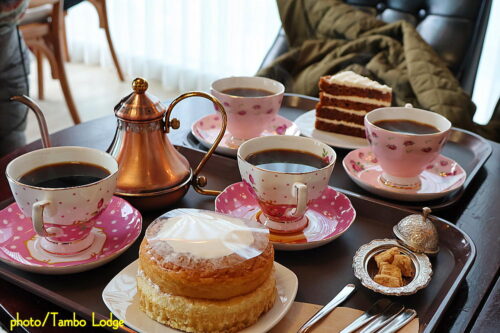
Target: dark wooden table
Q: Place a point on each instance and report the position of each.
(476, 304)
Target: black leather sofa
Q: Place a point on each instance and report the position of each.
(454, 28)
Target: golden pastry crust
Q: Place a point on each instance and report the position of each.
(202, 280)
(387, 280)
(386, 256)
(393, 265)
(391, 270)
(404, 263)
(202, 315)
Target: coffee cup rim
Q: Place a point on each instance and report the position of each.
(103, 153)
(434, 114)
(298, 138)
(279, 84)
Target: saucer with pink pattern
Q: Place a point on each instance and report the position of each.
(115, 230)
(439, 178)
(329, 216)
(206, 129)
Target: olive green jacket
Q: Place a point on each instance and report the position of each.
(327, 36)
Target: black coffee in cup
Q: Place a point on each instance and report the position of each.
(286, 160)
(65, 174)
(406, 126)
(247, 92)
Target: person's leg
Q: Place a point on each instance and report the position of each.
(14, 70)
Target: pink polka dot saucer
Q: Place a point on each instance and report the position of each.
(329, 216)
(115, 230)
(206, 129)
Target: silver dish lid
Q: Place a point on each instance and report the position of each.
(418, 233)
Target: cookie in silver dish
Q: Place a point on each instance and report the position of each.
(365, 268)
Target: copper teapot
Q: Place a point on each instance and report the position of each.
(153, 174)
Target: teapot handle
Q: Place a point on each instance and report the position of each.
(199, 181)
(42, 124)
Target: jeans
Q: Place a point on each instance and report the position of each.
(13, 81)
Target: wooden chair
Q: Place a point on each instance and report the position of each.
(100, 6)
(42, 31)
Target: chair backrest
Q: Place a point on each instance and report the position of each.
(37, 14)
(454, 28)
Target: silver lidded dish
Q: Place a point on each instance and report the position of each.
(418, 233)
(365, 268)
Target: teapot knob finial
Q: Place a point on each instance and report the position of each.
(140, 85)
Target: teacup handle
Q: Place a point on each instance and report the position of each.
(199, 181)
(301, 194)
(37, 218)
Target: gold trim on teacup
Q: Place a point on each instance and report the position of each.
(58, 188)
(278, 232)
(409, 134)
(17, 182)
(414, 186)
(66, 243)
(331, 163)
(281, 92)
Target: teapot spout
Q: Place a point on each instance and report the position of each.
(42, 124)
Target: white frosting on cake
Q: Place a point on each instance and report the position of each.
(341, 122)
(356, 112)
(351, 79)
(206, 235)
(358, 99)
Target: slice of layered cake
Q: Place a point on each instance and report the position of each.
(345, 98)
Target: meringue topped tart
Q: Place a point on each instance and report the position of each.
(201, 271)
(204, 235)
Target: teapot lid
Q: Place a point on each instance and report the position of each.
(139, 105)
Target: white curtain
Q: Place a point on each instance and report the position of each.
(486, 92)
(184, 43)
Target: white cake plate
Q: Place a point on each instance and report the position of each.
(305, 122)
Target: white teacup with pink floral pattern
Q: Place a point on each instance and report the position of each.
(247, 117)
(284, 196)
(403, 156)
(63, 217)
